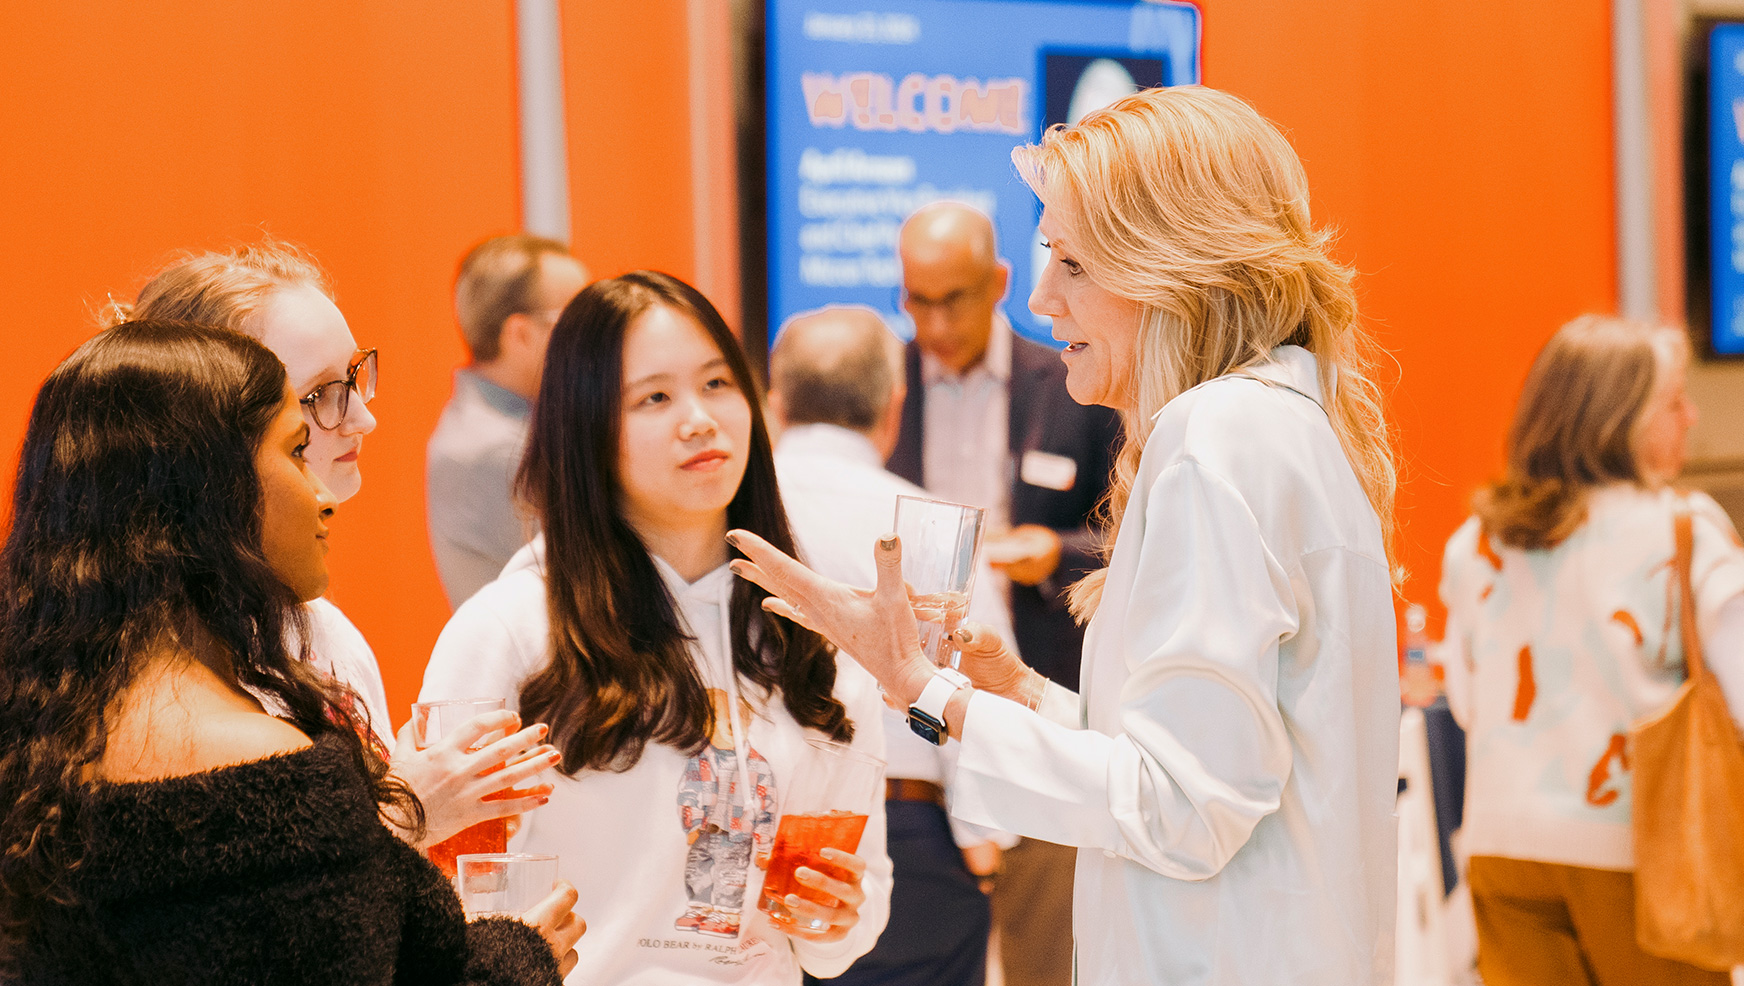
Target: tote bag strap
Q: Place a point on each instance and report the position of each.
(1694, 664)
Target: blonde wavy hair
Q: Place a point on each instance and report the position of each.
(225, 288)
(1189, 202)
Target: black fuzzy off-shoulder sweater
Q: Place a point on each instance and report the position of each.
(271, 872)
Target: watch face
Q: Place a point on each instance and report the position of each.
(926, 727)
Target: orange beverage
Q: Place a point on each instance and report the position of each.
(491, 836)
(431, 721)
(799, 840)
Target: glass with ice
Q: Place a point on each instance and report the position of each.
(430, 722)
(503, 884)
(825, 807)
(940, 542)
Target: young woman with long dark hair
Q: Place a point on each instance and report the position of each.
(681, 707)
(156, 823)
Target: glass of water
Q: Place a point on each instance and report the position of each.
(941, 542)
(503, 884)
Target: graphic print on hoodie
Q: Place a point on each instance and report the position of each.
(726, 819)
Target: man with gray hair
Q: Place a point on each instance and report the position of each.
(507, 296)
(835, 394)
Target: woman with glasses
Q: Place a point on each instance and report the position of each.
(277, 295)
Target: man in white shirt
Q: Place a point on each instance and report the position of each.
(507, 296)
(836, 399)
(987, 421)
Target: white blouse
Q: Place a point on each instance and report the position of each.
(1230, 771)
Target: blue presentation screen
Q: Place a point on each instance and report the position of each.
(876, 109)
(1726, 187)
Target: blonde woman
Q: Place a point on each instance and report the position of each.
(1559, 636)
(279, 296)
(1228, 772)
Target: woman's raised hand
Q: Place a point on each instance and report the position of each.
(992, 667)
(814, 919)
(875, 627)
(453, 779)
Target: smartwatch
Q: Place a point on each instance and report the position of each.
(927, 715)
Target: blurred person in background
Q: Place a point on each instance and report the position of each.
(987, 421)
(683, 709)
(182, 798)
(279, 296)
(835, 400)
(1561, 632)
(507, 297)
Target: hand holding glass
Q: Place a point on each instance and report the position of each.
(430, 722)
(940, 542)
(825, 807)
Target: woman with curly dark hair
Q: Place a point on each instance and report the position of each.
(156, 824)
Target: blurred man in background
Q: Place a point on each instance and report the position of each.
(987, 421)
(835, 396)
(507, 296)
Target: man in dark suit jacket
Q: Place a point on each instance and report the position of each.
(1054, 469)
(1060, 452)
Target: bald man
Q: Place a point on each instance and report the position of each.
(835, 396)
(987, 421)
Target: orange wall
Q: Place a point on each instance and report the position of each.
(1464, 151)
(382, 137)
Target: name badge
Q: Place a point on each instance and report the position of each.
(1049, 471)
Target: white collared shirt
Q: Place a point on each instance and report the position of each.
(1230, 770)
(840, 500)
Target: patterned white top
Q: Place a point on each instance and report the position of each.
(1550, 656)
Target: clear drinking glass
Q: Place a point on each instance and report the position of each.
(503, 884)
(430, 722)
(825, 807)
(940, 545)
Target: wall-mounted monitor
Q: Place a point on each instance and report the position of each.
(1714, 185)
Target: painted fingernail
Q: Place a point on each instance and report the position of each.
(736, 566)
(887, 542)
(733, 538)
(545, 800)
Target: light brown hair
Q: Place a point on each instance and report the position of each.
(499, 278)
(1576, 427)
(226, 288)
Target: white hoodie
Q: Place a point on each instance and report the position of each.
(625, 839)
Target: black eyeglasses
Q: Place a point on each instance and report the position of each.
(329, 402)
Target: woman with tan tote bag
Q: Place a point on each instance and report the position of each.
(1563, 596)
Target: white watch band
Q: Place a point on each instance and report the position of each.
(938, 691)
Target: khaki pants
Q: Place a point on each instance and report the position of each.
(1032, 907)
(1546, 923)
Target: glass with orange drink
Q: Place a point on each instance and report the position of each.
(826, 807)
